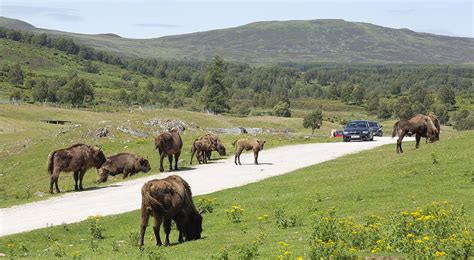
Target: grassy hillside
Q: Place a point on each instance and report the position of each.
(370, 187)
(287, 41)
(25, 141)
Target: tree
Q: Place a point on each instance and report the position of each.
(282, 109)
(16, 75)
(373, 103)
(447, 96)
(357, 95)
(91, 68)
(76, 92)
(214, 95)
(313, 120)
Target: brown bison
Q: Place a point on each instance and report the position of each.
(169, 144)
(418, 125)
(170, 199)
(248, 144)
(436, 123)
(126, 163)
(218, 146)
(200, 148)
(78, 159)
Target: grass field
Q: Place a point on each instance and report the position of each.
(371, 182)
(26, 141)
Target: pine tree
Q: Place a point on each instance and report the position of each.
(214, 95)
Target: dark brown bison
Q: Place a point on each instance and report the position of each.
(78, 159)
(170, 199)
(418, 125)
(248, 144)
(218, 145)
(169, 144)
(126, 163)
(200, 148)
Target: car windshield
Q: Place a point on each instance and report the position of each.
(373, 124)
(357, 125)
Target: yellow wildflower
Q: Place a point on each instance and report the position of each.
(440, 253)
(299, 258)
(426, 238)
(410, 235)
(375, 250)
(419, 241)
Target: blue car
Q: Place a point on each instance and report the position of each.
(358, 130)
(376, 127)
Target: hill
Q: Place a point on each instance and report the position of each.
(286, 41)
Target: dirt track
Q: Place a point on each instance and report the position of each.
(219, 175)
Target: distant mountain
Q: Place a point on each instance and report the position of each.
(287, 41)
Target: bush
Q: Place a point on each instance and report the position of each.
(206, 205)
(234, 213)
(95, 226)
(438, 229)
(282, 109)
(240, 110)
(463, 120)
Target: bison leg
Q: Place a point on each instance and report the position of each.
(167, 226)
(81, 176)
(255, 156)
(418, 138)
(399, 144)
(144, 224)
(162, 157)
(208, 155)
(76, 179)
(176, 158)
(170, 158)
(54, 180)
(237, 156)
(193, 151)
(156, 229)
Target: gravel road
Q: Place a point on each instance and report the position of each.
(125, 196)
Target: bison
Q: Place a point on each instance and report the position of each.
(200, 148)
(170, 199)
(218, 146)
(436, 123)
(126, 163)
(169, 144)
(248, 144)
(78, 159)
(418, 125)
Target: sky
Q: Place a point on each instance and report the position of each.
(155, 18)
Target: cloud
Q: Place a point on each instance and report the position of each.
(56, 13)
(158, 25)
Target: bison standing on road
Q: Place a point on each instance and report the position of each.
(126, 163)
(218, 146)
(170, 199)
(200, 148)
(169, 144)
(248, 144)
(78, 159)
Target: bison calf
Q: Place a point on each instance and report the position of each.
(126, 163)
(248, 144)
(169, 144)
(200, 148)
(218, 146)
(78, 159)
(166, 200)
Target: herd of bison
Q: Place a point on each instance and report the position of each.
(171, 198)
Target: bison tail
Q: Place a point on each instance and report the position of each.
(233, 143)
(51, 162)
(395, 127)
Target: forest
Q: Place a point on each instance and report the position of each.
(384, 90)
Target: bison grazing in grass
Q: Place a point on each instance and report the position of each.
(170, 199)
(248, 144)
(218, 146)
(200, 148)
(169, 144)
(78, 159)
(418, 125)
(126, 163)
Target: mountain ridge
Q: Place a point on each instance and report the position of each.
(266, 42)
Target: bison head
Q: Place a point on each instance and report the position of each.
(193, 227)
(261, 143)
(220, 149)
(144, 165)
(98, 157)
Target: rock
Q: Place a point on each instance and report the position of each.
(39, 194)
(168, 124)
(132, 132)
(101, 132)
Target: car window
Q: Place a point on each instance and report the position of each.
(357, 125)
(373, 124)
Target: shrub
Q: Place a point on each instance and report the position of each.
(95, 226)
(282, 109)
(283, 221)
(234, 213)
(206, 205)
